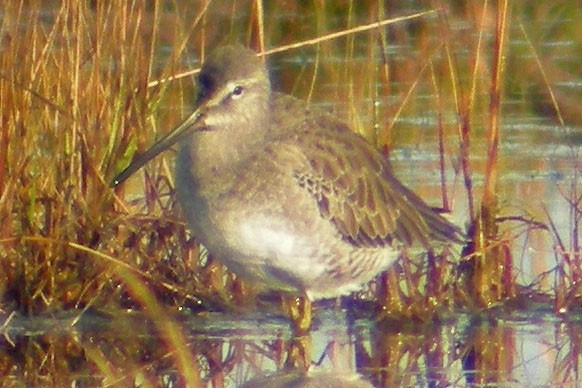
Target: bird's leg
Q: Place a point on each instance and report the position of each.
(299, 354)
(299, 311)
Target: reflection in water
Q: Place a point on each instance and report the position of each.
(354, 352)
(315, 379)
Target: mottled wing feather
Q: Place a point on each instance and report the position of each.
(355, 189)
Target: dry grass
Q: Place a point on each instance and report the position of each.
(76, 107)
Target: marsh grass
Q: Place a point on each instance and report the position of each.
(76, 107)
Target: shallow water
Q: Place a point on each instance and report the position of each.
(533, 348)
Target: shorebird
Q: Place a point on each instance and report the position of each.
(286, 194)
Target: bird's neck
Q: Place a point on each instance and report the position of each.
(214, 158)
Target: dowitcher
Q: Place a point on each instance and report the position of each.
(284, 193)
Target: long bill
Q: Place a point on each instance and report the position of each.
(188, 126)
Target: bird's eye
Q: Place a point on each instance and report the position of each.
(237, 91)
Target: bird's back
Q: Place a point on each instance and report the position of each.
(352, 182)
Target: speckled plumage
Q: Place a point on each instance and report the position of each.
(287, 194)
